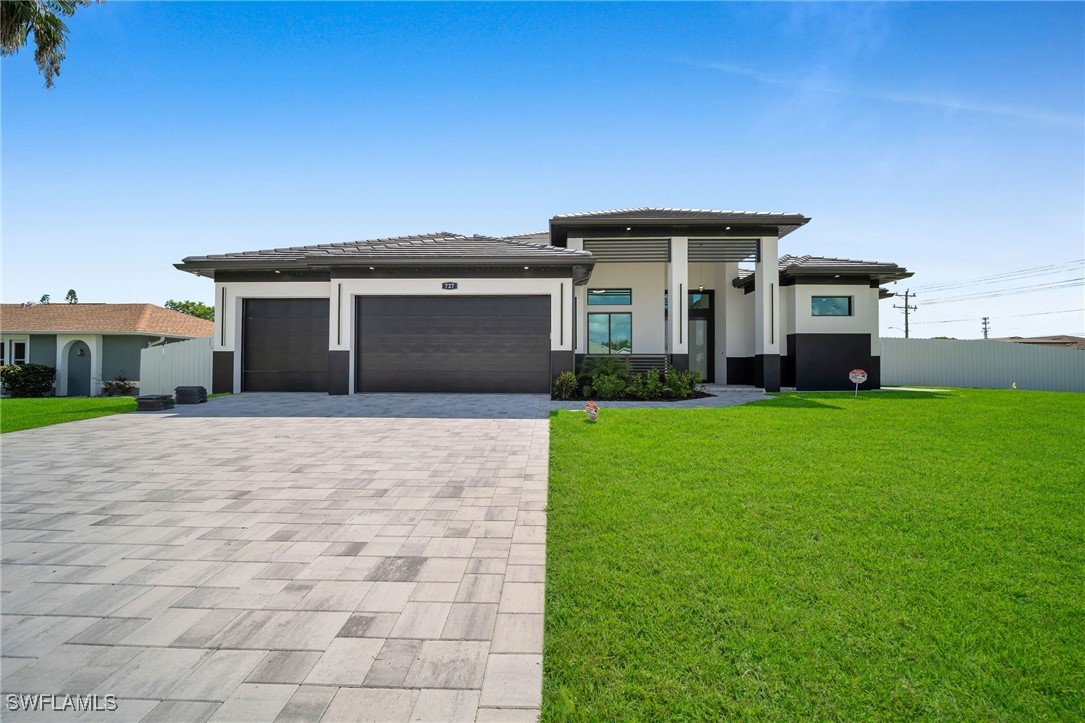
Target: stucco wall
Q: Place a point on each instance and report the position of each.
(120, 355)
(648, 282)
(864, 318)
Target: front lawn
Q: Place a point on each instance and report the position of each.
(17, 414)
(904, 555)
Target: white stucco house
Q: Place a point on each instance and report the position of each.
(457, 313)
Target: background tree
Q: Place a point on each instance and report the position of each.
(20, 18)
(70, 297)
(192, 308)
(44, 299)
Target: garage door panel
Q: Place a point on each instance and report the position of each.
(285, 345)
(454, 344)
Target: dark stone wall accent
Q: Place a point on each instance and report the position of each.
(822, 361)
(767, 372)
(787, 370)
(740, 370)
(561, 361)
(338, 371)
(222, 372)
(680, 362)
(579, 358)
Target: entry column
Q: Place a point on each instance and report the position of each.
(767, 316)
(678, 286)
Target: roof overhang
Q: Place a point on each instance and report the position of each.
(740, 226)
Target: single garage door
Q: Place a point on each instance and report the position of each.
(453, 344)
(285, 346)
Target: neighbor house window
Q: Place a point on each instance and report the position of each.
(610, 297)
(12, 352)
(610, 333)
(830, 306)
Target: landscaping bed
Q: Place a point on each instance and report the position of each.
(903, 555)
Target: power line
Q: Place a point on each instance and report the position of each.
(906, 308)
(1012, 291)
(1011, 316)
(1007, 276)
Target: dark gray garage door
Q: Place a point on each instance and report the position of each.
(454, 344)
(285, 346)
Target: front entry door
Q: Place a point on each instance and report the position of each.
(702, 335)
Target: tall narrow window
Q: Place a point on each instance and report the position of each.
(18, 353)
(610, 333)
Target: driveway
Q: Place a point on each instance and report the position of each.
(282, 557)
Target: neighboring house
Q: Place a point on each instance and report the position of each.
(90, 343)
(1061, 340)
(454, 313)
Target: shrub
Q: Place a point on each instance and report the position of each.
(586, 391)
(565, 385)
(609, 386)
(27, 380)
(681, 385)
(118, 386)
(594, 367)
(647, 386)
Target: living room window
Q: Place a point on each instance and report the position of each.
(610, 333)
(830, 306)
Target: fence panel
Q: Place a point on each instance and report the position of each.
(167, 366)
(981, 364)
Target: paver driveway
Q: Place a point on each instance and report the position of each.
(276, 556)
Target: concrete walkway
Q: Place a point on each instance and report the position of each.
(282, 557)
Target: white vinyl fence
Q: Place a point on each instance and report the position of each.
(167, 366)
(981, 364)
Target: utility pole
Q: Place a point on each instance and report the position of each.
(907, 295)
(986, 326)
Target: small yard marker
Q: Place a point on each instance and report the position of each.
(592, 410)
(858, 376)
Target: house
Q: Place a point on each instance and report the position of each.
(90, 343)
(1060, 340)
(446, 312)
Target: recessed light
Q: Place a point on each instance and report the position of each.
(525, 268)
(370, 268)
(277, 271)
(629, 229)
(727, 229)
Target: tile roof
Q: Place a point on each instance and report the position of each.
(791, 265)
(102, 318)
(432, 247)
(682, 214)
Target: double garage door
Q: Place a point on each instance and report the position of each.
(403, 344)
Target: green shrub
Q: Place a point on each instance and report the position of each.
(565, 385)
(681, 385)
(586, 391)
(27, 380)
(594, 367)
(610, 386)
(647, 386)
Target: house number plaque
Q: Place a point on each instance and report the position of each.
(449, 285)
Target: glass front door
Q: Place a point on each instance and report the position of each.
(699, 349)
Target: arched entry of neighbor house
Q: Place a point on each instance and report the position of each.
(78, 370)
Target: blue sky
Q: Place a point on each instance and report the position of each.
(949, 138)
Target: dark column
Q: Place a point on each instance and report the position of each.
(680, 362)
(767, 372)
(338, 372)
(740, 370)
(561, 361)
(222, 372)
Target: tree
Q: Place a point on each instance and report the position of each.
(70, 297)
(192, 308)
(20, 18)
(44, 299)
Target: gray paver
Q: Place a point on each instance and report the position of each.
(233, 551)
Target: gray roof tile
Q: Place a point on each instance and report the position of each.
(679, 214)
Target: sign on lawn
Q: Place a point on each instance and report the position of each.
(857, 376)
(592, 410)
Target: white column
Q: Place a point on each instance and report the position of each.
(677, 292)
(580, 294)
(767, 298)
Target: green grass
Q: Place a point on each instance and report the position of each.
(900, 556)
(17, 414)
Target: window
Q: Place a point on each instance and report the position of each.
(700, 300)
(830, 306)
(610, 297)
(610, 333)
(12, 351)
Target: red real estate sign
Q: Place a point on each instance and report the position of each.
(857, 376)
